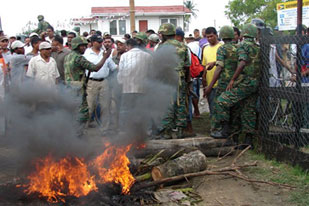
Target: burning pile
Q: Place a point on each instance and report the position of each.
(72, 176)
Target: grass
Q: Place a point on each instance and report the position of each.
(269, 170)
(274, 171)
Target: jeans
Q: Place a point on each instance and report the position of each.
(211, 99)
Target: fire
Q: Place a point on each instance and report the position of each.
(113, 166)
(57, 179)
(71, 176)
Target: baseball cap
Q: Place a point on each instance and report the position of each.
(33, 34)
(179, 32)
(17, 44)
(154, 38)
(4, 38)
(96, 38)
(44, 45)
(122, 40)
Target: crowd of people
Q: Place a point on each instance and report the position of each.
(108, 74)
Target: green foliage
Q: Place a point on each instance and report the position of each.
(242, 11)
(192, 6)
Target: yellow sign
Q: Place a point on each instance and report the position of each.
(290, 5)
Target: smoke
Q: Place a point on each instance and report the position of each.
(43, 120)
(40, 121)
(147, 109)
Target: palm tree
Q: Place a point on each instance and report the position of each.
(191, 6)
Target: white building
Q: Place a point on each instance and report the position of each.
(116, 20)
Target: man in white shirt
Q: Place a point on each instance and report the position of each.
(97, 87)
(43, 68)
(133, 68)
(18, 63)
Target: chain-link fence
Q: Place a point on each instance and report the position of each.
(284, 98)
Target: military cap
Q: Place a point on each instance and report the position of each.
(249, 30)
(167, 29)
(40, 17)
(259, 23)
(142, 36)
(78, 41)
(226, 32)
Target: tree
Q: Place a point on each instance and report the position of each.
(242, 11)
(189, 4)
(192, 7)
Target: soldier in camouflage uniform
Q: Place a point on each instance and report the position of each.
(42, 26)
(175, 120)
(226, 65)
(242, 89)
(74, 68)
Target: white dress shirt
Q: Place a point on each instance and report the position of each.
(45, 72)
(95, 58)
(133, 67)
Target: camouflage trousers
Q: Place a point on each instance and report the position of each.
(236, 107)
(176, 116)
(81, 99)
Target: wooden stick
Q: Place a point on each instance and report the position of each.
(240, 154)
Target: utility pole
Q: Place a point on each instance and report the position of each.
(132, 15)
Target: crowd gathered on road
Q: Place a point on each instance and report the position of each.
(224, 65)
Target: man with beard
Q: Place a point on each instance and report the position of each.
(75, 66)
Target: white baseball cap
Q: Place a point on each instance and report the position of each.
(44, 45)
(33, 34)
(17, 44)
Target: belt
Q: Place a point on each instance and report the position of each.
(98, 80)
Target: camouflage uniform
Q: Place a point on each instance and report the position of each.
(227, 60)
(74, 70)
(244, 91)
(42, 26)
(176, 117)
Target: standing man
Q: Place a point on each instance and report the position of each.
(175, 121)
(226, 65)
(197, 36)
(59, 53)
(27, 47)
(209, 62)
(35, 43)
(42, 26)
(6, 54)
(50, 34)
(71, 35)
(43, 68)
(133, 68)
(98, 88)
(18, 63)
(75, 66)
(243, 86)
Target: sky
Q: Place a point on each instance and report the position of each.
(61, 11)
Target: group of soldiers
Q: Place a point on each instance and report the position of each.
(237, 72)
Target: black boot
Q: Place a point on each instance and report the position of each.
(249, 141)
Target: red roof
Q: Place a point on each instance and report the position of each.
(140, 9)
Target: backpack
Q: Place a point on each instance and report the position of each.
(196, 68)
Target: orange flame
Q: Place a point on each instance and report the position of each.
(55, 180)
(70, 176)
(113, 166)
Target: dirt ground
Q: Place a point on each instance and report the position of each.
(230, 191)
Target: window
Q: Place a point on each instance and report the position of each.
(117, 27)
(172, 21)
(122, 27)
(163, 21)
(113, 27)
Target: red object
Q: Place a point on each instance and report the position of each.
(143, 25)
(196, 68)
